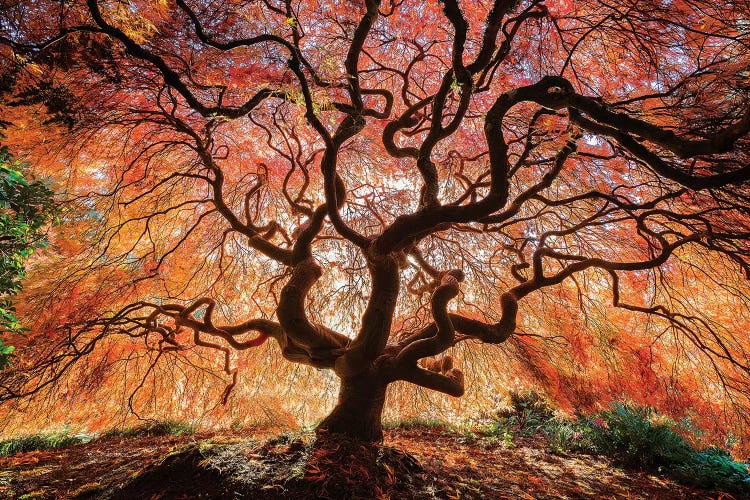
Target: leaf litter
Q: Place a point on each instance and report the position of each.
(414, 463)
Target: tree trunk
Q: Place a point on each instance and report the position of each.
(359, 409)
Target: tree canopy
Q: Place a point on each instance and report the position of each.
(391, 191)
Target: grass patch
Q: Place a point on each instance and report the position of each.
(58, 439)
(41, 441)
(418, 422)
(155, 428)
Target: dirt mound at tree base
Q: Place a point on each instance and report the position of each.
(283, 467)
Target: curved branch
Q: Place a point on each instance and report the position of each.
(318, 341)
(443, 326)
(452, 383)
(172, 78)
(720, 142)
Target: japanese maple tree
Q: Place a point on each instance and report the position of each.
(370, 184)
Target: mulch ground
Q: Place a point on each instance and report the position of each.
(419, 463)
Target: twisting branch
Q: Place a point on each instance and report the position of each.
(319, 343)
(441, 377)
(445, 332)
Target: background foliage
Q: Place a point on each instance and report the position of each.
(25, 207)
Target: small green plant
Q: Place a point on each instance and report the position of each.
(156, 428)
(561, 434)
(466, 436)
(41, 441)
(498, 431)
(507, 438)
(496, 428)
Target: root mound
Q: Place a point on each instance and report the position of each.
(296, 466)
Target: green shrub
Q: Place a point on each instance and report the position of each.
(527, 414)
(41, 441)
(26, 205)
(639, 438)
(630, 435)
(713, 468)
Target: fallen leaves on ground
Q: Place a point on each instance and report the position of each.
(413, 463)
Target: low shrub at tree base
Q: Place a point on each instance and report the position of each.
(638, 437)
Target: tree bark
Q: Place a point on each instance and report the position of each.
(359, 409)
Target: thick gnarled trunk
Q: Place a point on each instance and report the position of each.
(359, 409)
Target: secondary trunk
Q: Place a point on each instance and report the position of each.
(359, 409)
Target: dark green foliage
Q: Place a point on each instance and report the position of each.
(713, 468)
(42, 441)
(25, 207)
(633, 437)
(637, 437)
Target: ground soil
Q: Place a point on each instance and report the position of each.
(422, 462)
